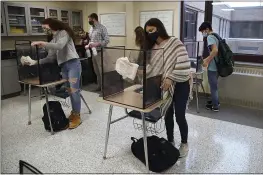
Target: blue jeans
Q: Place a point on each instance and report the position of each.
(71, 71)
(213, 83)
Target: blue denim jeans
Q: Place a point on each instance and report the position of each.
(213, 83)
(71, 71)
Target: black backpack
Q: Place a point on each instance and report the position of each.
(57, 115)
(225, 62)
(161, 153)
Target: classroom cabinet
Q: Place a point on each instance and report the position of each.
(76, 22)
(25, 20)
(65, 16)
(37, 15)
(3, 23)
(53, 13)
(16, 16)
(9, 77)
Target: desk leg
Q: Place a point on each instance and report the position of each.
(81, 96)
(29, 103)
(24, 89)
(196, 95)
(145, 141)
(108, 131)
(48, 111)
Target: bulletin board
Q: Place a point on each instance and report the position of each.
(166, 16)
(115, 23)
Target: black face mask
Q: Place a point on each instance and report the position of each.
(153, 36)
(91, 23)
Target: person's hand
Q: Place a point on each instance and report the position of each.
(91, 45)
(85, 41)
(39, 43)
(167, 83)
(87, 47)
(206, 62)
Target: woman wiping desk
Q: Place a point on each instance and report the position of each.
(62, 48)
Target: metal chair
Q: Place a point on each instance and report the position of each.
(197, 82)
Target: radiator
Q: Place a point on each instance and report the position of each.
(243, 88)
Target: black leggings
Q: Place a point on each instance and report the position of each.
(178, 107)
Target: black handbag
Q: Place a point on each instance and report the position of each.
(161, 154)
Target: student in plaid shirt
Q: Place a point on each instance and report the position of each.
(98, 38)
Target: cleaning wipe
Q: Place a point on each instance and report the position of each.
(27, 60)
(125, 68)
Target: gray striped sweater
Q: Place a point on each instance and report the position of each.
(172, 62)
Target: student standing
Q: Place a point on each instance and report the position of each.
(62, 48)
(99, 38)
(175, 68)
(209, 62)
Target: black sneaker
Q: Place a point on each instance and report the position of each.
(211, 107)
(210, 103)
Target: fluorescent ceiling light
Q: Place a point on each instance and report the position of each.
(219, 3)
(228, 9)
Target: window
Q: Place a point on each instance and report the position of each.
(246, 29)
(241, 24)
(190, 25)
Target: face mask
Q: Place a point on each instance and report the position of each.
(47, 31)
(153, 36)
(204, 34)
(91, 23)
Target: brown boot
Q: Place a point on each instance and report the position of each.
(71, 115)
(74, 120)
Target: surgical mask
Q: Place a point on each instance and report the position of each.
(204, 34)
(47, 31)
(153, 36)
(91, 23)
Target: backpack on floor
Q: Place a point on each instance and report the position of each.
(161, 154)
(225, 62)
(57, 115)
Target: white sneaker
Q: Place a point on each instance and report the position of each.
(183, 149)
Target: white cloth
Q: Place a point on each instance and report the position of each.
(26, 60)
(125, 68)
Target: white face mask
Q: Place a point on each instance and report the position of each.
(204, 34)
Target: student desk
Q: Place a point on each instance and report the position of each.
(35, 82)
(128, 97)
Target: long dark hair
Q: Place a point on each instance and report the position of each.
(160, 29)
(55, 25)
(139, 36)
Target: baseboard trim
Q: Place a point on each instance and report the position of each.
(3, 97)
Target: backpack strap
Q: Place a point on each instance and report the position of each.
(217, 36)
(219, 39)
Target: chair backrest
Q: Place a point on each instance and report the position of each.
(26, 168)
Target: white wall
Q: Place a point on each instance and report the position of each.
(147, 6)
